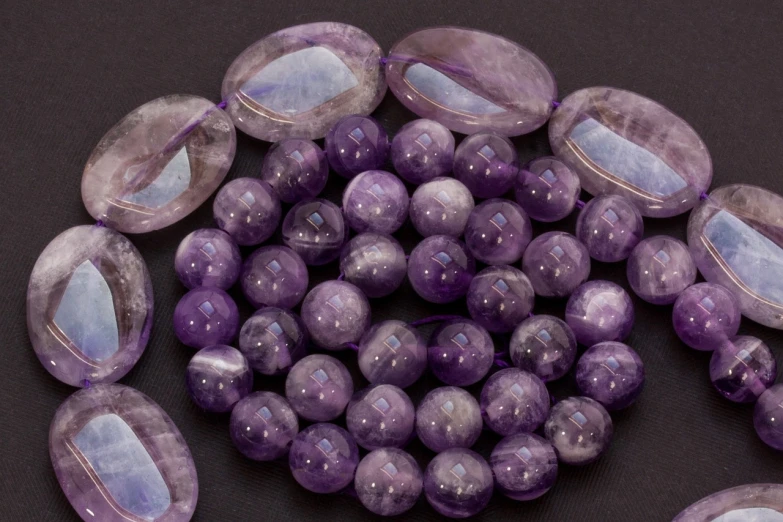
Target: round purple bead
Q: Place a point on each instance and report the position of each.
(460, 352)
(768, 417)
(544, 346)
(263, 426)
(248, 209)
(705, 315)
(610, 227)
(381, 417)
(208, 257)
(388, 481)
(599, 311)
(206, 316)
(315, 230)
(441, 206)
(375, 263)
(356, 144)
(217, 377)
(392, 352)
(297, 169)
(273, 340)
(660, 268)
(448, 417)
(580, 430)
(376, 201)
(610, 373)
(524, 465)
(335, 313)
(323, 458)
(422, 150)
(547, 189)
(319, 387)
(499, 298)
(458, 483)
(514, 401)
(497, 232)
(440, 269)
(487, 163)
(742, 368)
(556, 263)
(274, 275)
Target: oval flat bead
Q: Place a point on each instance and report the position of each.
(620, 142)
(158, 164)
(748, 503)
(89, 306)
(119, 457)
(471, 80)
(300, 81)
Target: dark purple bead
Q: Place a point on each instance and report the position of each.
(547, 189)
(297, 169)
(487, 163)
(497, 232)
(319, 387)
(388, 481)
(380, 417)
(273, 340)
(610, 227)
(422, 150)
(556, 263)
(544, 346)
(499, 298)
(448, 417)
(458, 483)
(660, 268)
(440, 269)
(323, 458)
(610, 373)
(274, 275)
(206, 316)
(600, 311)
(441, 206)
(514, 401)
(335, 313)
(248, 209)
(580, 430)
(524, 465)
(705, 315)
(208, 257)
(392, 352)
(742, 368)
(460, 352)
(263, 426)
(376, 201)
(217, 377)
(356, 144)
(315, 230)
(768, 417)
(375, 263)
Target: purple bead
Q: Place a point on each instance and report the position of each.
(323, 458)
(206, 316)
(460, 352)
(441, 206)
(380, 417)
(274, 275)
(610, 227)
(487, 163)
(748, 503)
(705, 315)
(375, 201)
(742, 368)
(556, 263)
(458, 483)
(514, 401)
(599, 311)
(422, 150)
(392, 352)
(263, 426)
(248, 209)
(336, 313)
(768, 417)
(497, 232)
(547, 189)
(296, 169)
(315, 230)
(660, 268)
(273, 340)
(499, 298)
(388, 481)
(440, 269)
(610, 373)
(448, 417)
(375, 263)
(208, 257)
(524, 465)
(319, 388)
(580, 430)
(217, 377)
(544, 346)
(356, 144)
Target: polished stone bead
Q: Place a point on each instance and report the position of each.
(441, 207)
(600, 311)
(499, 298)
(514, 401)
(547, 189)
(323, 458)
(619, 142)
(422, 150)
(392, 352)
(248, 209)
(470, 80)
(497, 232)
(524, 465)
(487, 163)
(705, 315)
(206, 316)
(375, 263)
(388, 481)
(748, 503)
(768, 416)
(376, 201)
(580, 430)
(315, 229)
(263, 426)
(89, 306)
(118, 456)
(742, 368)
(556, 263)
(274, 275)
(299, 81)
(158, 164)
(460, 352)
(660, 268)
(335, 313)
(356, 144)
(544, 346)
(610, 373)
(319, 387)
(217, 377)
(440, 269)
(381, 417)
(458, 483)
(208, 257)
(448, 417)
(296, 169)
(273, 340)
(610, 227)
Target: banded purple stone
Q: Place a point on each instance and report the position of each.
(600, 311)
(610, 227)
(392, 352)
(296, 169)
(498, 232)
(748, 503)
(556, 263)
(206, 316)
(388, 481)
(263, 426)
(315, 230)
(208, 257)
(499, 298)
(580, 430)
(448, 417)
(742, 368)
(381, 417)
(274, 275)
(547, 189)
(319, 387)
(273, 340)
(323, 458)
(248, 209)
(422, 150)
(514, 401)
(217, 377)
(543, 345)
(356, 144)
(458, 483)
(524, 465)
(376, 201)
(611, 373)
(660, 268)
(440, 269)
(335, 313)
(460, 352)
(375, 263)
(487, 163)
(705, 315)
(441, 207)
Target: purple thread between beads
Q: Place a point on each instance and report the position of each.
(500, 359)
(384, 60)
(100, 223)
(352, 346)
(555, 104)
(341, 277)
(703, 196)
(87, 383)
(222, 105)
(434, 319)
(580, 204)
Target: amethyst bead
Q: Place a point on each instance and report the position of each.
(217, 377)
(274, 275)
(580, 430)
(356, 144)
(600, 311)
(335, 313)
(441, 206)
(497, 232)
(206, 316)
(458, 483)
(315, 230)
(742, 368)
(487, 163)
(323, 458)
(263, 426)
(514, 401)
(610, 373)
(375, 201)
(705, 315)
(460, 352)
(748, 503)
(610, 227)
(392, 352)
(660, 268)
(524, 465)
(388, 481)
(273, 340)
(556, 263)
(208, 257)
(422, 150)
(448, 417)
(375, 263)
(544, 346)
(547, 189)
(296, 169)
(381, 417)
(248, 209)
(319, 388)
(499, 298)
(440, 269)
(768, 416)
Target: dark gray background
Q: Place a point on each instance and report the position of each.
(71, 70)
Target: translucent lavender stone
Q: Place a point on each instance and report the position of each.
(208, 257)
(376, 201)
(356, 144)
(273, 340)
(274, 276)
(158, 164)
(89, 306)
(497, 232)
(544, 346)
(458, 483)
(248, 209)
(323, 458)
(441, 207)
(487, 163)
(524, 466)
(440, 269)
(315, 230)
(206, 316)
(610, 373)
(748, 503)
(217, 377)
(547, 189)
(392, 352)
(296, 168)
(622, 143)
(375, 263)
(580, 430)
(319, 387)
(469, 80)
(460, 352)
(388, 481)
(660, 268)
(448, 417)
(514, 401)
(263, 426)
(335, 313)
(380, 417)
(556, 263)
(768, 416)
(742, 368)
(705, 315)
(422, 150)
(610, 227)
(499, 298)
(119, 457)
(300, 81)
(599, 311)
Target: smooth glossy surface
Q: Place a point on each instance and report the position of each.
(448, 417)
(768, 417)
(272, 340)
(375, 263)
(315, 230)
(499, 298)
(610, 227)
(556, 263)
(441, 207)
(388, 481)
(742, 368)
(206, 316)
(458, 483)
(748, 503)
(422, 150)
(323, 458)
(514, 401)
(335, 313)
(660, 268)
(296, 169)
(524, 466)
(248, 209)
(263, 426)
(381, 417)
(547, 189)
(460, 352)
(580, 430)
(356, 144)
(274, 276)
(600, 311)
(705, 315)
(543, 345)
(487, 163)
(217, 377)
(208, 257)
(611, 373)
(497, 232)
(440, 269)
(375, 201)
(319, 387)
(392, 352)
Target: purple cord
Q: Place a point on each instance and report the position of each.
(704, 196)
(222, 105)
(341, 276)
(352, 346)
(531, 314)
(500, 361)
(384, 60)
(435, 319)
(100, 223)
(580, 204)
(555, 104)
(87, 383)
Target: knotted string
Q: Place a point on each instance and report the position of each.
(435, 319)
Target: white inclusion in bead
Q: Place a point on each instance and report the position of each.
(172, 181)
(436, 86)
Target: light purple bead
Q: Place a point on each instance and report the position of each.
(296, 169)
(448, 417)
(380, 417)
(460, 352)
(335, 313)
(580, 430)
(248, 209)
(217, 377)
(356, 144)
(556, 263)
(524, 465)
(742, 368)
(660, 268)
(610, 227)
(323, 458)
(392, 352)
(547, 189)
(263, 426)
(458, 483)
(440, 269)
(499, 298)
(487, 163)
(206, 316)
(599, 311)
(747, 503)
(274, 275)
(319, 388)
(610, 373)
(497, 232)
(315, 230)
(375, 201)
(441, 206)
(705, 315)
(544, 346)
(514, 401)
(273, 340)
(768, 417)
(375, 263)
(422, 150)
(388, 481)
(208, 257)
